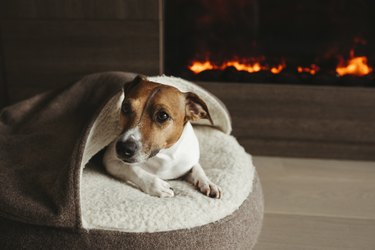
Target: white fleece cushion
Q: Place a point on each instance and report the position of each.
(110, 204)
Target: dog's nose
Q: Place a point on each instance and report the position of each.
(127, 148)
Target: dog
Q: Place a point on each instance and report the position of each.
(158, 142)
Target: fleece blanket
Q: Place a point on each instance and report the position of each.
(47, 140)
(42, 141)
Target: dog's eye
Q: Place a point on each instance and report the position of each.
(162, 116)
(126, 108)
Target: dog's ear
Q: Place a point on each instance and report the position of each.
(196, 108)
(130, 85)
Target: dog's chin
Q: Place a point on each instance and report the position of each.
(129, 160)
(138, 160)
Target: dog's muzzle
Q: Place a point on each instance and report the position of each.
(127, 150)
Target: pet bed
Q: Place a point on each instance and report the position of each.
(55, 193)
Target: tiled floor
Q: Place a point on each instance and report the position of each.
(317, 204)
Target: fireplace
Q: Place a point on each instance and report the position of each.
(249, 41)
(297, 76)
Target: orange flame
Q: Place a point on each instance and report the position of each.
(311, 70)
(198, 66)
(249, 67)
(354, 66)
(277, 69)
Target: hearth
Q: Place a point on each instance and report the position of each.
(249, 41)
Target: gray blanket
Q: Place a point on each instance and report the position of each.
(41, 145)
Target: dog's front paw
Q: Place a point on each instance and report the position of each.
(158, 187)
(208, 188)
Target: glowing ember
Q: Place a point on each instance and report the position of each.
(198, 66)
(354, 66)
(278, 69)
(251, 68)
(311, 70)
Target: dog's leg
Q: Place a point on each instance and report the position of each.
(145, 181)
(198, 178)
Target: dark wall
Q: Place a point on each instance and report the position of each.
(49, 43)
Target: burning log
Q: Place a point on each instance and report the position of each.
(210, 75)
(286, 77)
(325, 78)
(352, 80)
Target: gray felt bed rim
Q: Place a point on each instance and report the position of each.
(239, 230)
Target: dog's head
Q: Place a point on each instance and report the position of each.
(153, 117)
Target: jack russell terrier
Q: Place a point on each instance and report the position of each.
(158, 142)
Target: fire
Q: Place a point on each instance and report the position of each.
(311, 70)
(354, 66)
(277, 69)
(249, 67)
(198, 66)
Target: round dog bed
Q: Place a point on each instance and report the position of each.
(53, 202)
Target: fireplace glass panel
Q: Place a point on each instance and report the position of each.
(269, 41)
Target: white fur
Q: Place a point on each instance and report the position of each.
(133, 133)
(173, 162)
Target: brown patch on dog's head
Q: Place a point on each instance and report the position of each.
(154, 115)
